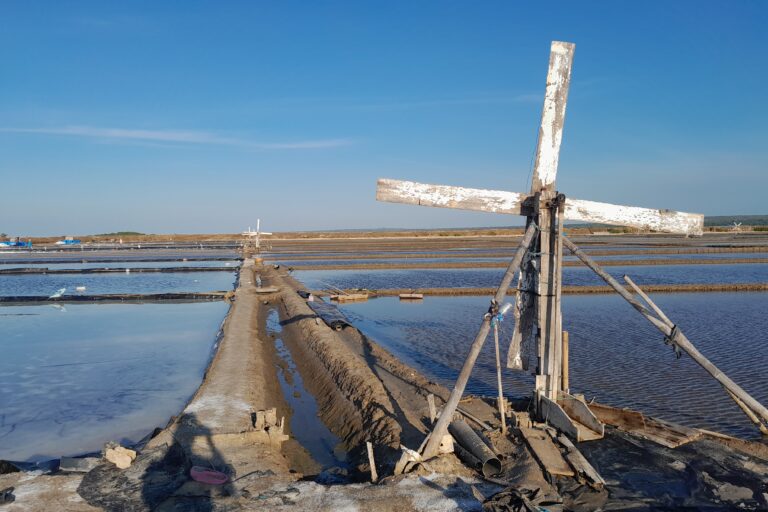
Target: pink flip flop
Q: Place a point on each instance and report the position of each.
(207, 476)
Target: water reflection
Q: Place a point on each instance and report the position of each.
(616, 355)
(74, 377)
(580, 276)
(46, 284)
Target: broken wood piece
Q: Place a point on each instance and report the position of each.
(554, 414)
(432, 408)
(371, 462)
(545, 451)
(580, 464)
(579, 412)
(350, 297)
(659, 431)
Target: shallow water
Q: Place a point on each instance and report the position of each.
(441, 278)
(77, 265)
(95, 284)
(306, 426)
(75, 377)
(616, 356)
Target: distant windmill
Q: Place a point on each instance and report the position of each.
(253, 238)
(736, 227)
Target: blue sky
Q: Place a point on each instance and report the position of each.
(192, 116)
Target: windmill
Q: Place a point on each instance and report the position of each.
(539, 260)
(736, 227)
(252, 239)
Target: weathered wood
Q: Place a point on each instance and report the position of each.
(574, 423)
(551, 413)
(665, 221)
(432, 408)
(513, 203)
(624, 419)
(579, 412)
(565, 384)
(502, 414)
(441, 427)
(553, 115)
(546, 452)
(745, 409)
(444, 196)
(371, 462)
(580, 464)
(674, 334)
(350, 297)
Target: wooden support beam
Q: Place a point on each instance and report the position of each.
(750, 414)
(441, 427)
(678, 338)
(565, 383)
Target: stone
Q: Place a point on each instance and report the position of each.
(120, 457)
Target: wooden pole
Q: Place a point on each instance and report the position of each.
(565, 381)
(441, 427)
(498, 378)
(371, 462)
(678, 337)
(750, 414)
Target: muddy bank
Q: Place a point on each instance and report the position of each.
(570, 290)
(365, 394)
(508, 254)
(502, 264)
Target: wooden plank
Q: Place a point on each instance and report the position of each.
(580, 463)
(624, 419)
(551, 412)
(546, 452)
(665, 221)
(580, 412)
(553, 116)
(446, 196)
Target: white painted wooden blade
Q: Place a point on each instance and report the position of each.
(553, 116)
(444, 196)
(665, 221)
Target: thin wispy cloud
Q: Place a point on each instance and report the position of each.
(448, 102)
(178, 136)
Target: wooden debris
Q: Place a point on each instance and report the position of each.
(432, 408)
(555, 414)
(546, 452)
(662, 432)
(266, 289)
(411, 296)
(580, 464)
(371, 462)
(350, 297)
